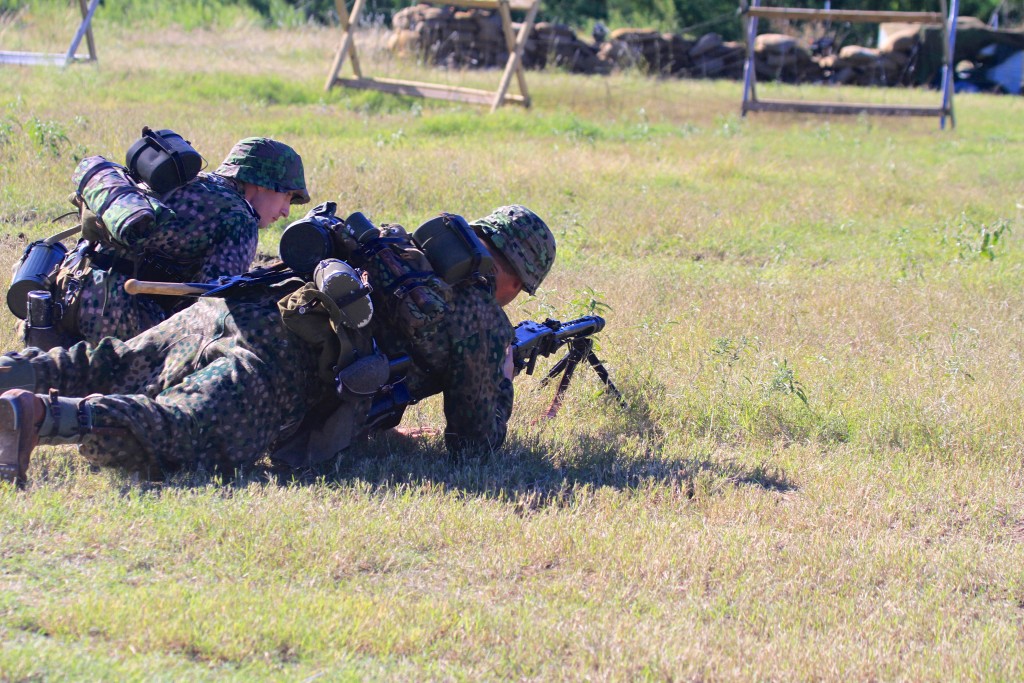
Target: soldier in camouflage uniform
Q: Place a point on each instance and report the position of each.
(220, 383)
(213, 386)
(211, 230)
(468, 358)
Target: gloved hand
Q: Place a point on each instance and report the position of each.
(93, 228)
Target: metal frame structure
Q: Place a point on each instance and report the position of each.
(513, 67)
(84, 30)
(753, 12)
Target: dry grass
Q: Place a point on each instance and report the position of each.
(722, 528)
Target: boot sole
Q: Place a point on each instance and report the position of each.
(15, 439)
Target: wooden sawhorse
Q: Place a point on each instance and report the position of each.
(513, 67)
(84, 29)
(754, 11)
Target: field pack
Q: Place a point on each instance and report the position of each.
(407, 291)
(412, 275)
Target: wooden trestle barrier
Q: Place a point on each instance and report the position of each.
(754, 11)
(514, 66)
(84, 29)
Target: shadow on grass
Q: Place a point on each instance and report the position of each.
(534, 471)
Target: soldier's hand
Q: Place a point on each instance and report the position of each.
(93, 228)
(417, 432)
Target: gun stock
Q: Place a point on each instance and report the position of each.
(223, 287)
(166, 288)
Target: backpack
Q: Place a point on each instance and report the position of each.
(406, 290)
(411, 275)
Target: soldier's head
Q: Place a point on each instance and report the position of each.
(271, 173)
(521, 241)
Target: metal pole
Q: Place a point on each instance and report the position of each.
(947, 74)
(749, 74)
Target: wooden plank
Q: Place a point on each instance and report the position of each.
(843, 108)
(80, 33)
(518, 5)
(513, 68)
(438, 91)
(515, 57)
(31, 58)
(855, 16)
(90, 41)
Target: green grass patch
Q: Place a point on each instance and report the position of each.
(815, 322)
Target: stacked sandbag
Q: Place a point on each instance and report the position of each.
(888, 64)
(557, 45)
(672, 54)
(784, 58)
(474, 38)
(711, 57)
(445, 36)
(640, 48)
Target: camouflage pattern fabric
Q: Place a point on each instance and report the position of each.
(128, 212)
(410, 295)
(522, 238)
(209, 228)
(214, 386)
(462, 359)
(267, 163)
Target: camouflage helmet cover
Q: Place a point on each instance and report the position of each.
(523, 239)
(267, 163)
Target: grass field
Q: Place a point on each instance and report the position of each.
(817, 322)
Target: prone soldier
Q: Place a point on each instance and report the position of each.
(205, 228)
(226, 381)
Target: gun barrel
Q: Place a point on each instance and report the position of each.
(581, 327)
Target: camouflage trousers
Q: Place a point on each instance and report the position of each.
(213, 386)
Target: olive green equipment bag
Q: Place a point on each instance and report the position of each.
(331, 314)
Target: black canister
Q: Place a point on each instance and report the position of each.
(163, 160)
(39, 329)
(38, 261)
(360, 228)
(40, 308)
(304, 244)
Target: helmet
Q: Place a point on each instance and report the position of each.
(267, 163)
(523, 239)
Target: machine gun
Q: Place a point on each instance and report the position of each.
(533, 340)
(538, 340)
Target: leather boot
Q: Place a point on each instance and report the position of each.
(20, 418)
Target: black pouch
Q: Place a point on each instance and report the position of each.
(163, 160)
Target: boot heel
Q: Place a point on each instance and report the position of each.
(17, 437)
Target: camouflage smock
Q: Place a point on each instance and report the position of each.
(214, 386)
(462, 359)
(212, 230)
